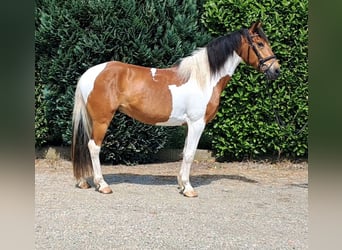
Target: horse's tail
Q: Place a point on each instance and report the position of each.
(81, 131)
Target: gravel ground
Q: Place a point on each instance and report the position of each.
(240, 206)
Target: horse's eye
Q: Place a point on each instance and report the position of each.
(260, 44)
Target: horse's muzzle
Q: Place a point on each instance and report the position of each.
(272, 73)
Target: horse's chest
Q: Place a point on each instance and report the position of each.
(189, 102)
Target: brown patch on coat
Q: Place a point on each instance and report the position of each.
(214, 101)
(132, 90)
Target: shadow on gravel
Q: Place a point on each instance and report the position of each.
(196, 180)
(301, 185)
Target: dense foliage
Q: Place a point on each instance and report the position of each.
(256, 117)
(74, 35)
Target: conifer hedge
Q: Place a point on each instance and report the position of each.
(256, 117)
(73, 35)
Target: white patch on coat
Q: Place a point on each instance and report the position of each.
(190, 100)
(228, 67)
(153, 72)
(189, 103)
(87, 80)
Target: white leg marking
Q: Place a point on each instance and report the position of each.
(195, 130)
(95, 158)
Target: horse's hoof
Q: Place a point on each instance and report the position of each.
(105, 190)
(190, 194)
(83, 185)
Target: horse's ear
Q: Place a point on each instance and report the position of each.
(255, 26)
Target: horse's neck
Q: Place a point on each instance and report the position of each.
(227, 69)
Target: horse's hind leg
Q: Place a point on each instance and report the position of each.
(94, 145)
(82, 183)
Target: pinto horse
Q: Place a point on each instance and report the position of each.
(186, 93)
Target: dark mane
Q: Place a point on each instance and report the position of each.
(221, 48)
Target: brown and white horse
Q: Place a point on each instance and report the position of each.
(187, 93)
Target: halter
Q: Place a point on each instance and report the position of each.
(261, 61)
(264, 67)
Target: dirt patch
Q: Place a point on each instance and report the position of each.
(241, 205)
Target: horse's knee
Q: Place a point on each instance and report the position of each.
(188, 157)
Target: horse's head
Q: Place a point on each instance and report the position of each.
(256, 51)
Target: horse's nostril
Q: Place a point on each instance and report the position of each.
(272, 74)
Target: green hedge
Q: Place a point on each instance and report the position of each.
(74, 35)
(246, 125)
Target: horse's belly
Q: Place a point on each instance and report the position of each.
(173, 121)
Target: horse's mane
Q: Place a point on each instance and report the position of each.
(206, 62)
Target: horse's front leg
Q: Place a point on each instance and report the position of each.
(195, 130)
